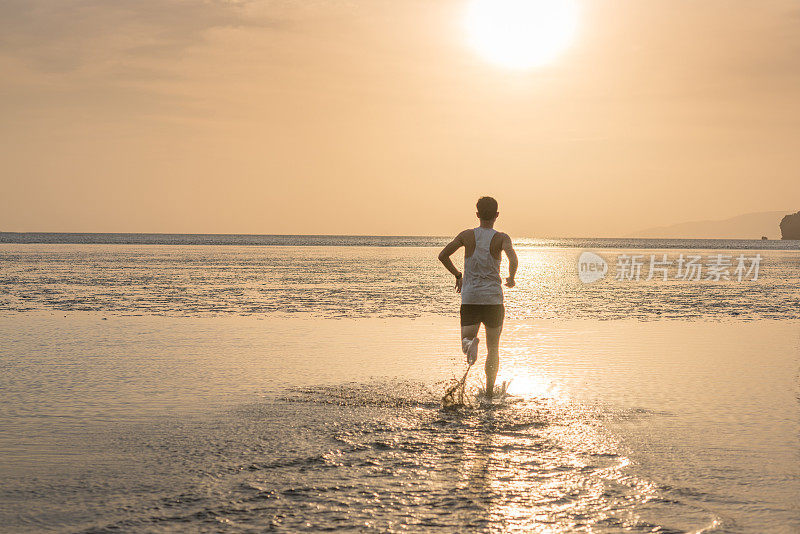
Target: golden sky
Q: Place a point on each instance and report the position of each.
(378, 117)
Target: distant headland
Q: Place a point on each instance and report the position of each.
(765, 224)
(790, 226)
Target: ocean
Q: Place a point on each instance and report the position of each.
(220, 383)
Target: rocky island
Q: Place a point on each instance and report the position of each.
(790, 226)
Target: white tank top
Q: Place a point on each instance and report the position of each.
(482, 283)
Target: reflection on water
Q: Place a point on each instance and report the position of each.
(398, 462)
(527, 465)
(361, 282)
(235, 424)
(526, 384)
(382, 457)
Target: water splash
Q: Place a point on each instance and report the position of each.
(455, 396)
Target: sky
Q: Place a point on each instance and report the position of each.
(379, 117)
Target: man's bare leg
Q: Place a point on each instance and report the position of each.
(492, 358)
(469, 332)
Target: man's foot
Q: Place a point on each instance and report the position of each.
(470, 348)
(499, 392)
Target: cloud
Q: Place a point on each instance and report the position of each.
(66, 35)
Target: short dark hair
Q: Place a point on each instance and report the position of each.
(487, 208)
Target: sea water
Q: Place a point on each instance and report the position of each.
(166, 387)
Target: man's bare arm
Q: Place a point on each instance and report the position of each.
(447, 251)
(513, 262)
(444, 257)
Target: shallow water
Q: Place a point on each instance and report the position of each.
(169, 424)
(205, 388)
(373, 281)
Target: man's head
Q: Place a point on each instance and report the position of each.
(487, 209)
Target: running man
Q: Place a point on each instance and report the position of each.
(481, 286)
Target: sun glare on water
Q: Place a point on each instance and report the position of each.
(530, 385)
(521, 34)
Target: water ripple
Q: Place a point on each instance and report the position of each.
(359, 282)
(398, 462)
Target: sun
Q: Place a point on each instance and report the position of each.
(521, 34)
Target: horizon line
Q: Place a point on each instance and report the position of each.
(4, 232)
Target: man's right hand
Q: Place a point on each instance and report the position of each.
(459, 280)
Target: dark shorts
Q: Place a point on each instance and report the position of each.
(490, 315)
